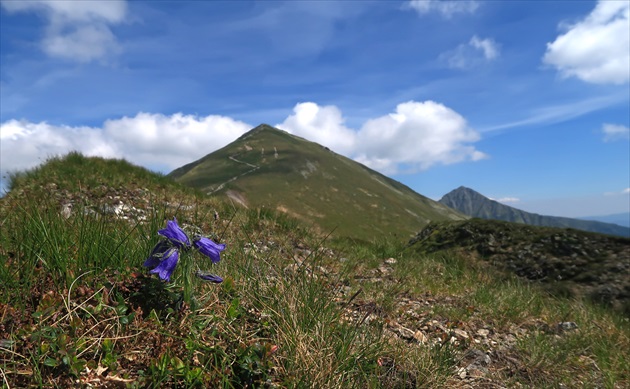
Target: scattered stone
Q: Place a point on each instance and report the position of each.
(420, 337)
(460, 333)
(566, 326)
(483, 332)
(66, 210)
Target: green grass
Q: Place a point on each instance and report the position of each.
(297, 309)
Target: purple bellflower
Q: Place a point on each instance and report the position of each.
(208, 248)
(175, 234)
(163, 260)
(167, 266)
(209, 277)
(165, 254)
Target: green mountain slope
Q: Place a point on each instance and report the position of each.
(474, 204)
(268, 167)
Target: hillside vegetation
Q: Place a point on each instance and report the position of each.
(567, 262)
(297, 308)
(271, 168)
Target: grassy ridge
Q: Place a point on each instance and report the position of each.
(296, 309)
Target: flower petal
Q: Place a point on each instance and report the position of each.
(209, 277)
(209, 248)
(157, 254)
(175, 234)
(167, 265)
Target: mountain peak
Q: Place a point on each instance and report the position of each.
(474, 204)
(463, 195)
(271, 168)
(263, 127)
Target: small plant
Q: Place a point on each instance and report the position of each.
(165, 255)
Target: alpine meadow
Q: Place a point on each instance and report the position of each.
(309, 194)
(292, 304)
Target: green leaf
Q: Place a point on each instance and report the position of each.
(177, 363)
(51, 362)
(233, 311)
(121, 309)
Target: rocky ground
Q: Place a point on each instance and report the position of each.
(484, 354)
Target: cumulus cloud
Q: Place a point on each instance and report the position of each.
(444, 7)
(475, 52)
(146, 139)
(24, 145)
(323, 125)
(595, 49)
(415, 137)
(613, 132)
(76, 30)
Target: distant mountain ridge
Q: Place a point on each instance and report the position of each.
(622, 219)
(268, 167)
(474, 204)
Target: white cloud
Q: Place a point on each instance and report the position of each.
(112, 11)
(475, 52)
(76, 30)
(146, 139)
(563, 112)
(488, 46)
(446, 8)
(622, 192)
(417, 136)
(323, 125)
(172, 141)
(24, 145)
(83, 44)
(508, 200)
(595, 49)
(613, 132)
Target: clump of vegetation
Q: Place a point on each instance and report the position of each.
(569, 263)
(295, 308)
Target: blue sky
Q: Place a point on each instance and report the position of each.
(527, 102)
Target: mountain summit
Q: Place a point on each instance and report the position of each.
(475, 204)
(268, 167)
